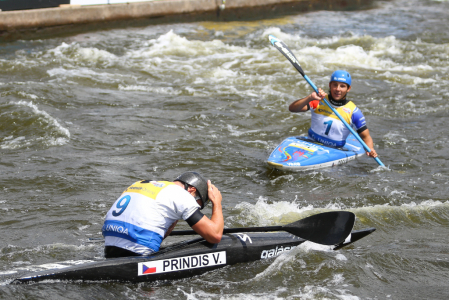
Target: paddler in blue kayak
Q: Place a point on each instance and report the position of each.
(326, 127)
(147, 212)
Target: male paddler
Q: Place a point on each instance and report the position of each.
(147, 212)
(326, 127)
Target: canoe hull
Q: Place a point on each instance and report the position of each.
(301, 153)
(182, 260)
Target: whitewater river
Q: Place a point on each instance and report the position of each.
(84, 116)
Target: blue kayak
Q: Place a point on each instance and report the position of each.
(300, 153)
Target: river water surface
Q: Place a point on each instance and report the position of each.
(84, 116)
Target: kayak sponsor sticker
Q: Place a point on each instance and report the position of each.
(305, 146)
(293, 151)
(343, 161)
(244, 237)
(275, 252)
(182, 263)
(309, 147)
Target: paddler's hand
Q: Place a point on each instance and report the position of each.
(300, 105)
(214, 194)
(314, 96)
(212, 229)
(372, 154)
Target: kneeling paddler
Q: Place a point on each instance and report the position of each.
(147, 212)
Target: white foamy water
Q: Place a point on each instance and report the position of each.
(207, 68)
(53, 133)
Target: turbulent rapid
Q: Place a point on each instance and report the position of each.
(86, 115)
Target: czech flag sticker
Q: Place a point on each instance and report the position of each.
(148, 270)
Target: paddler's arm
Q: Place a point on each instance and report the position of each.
(212, 229)
(366, 137)
(170, 229)
(300, 105)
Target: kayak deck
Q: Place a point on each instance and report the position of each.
(301, 153)
(185, 259)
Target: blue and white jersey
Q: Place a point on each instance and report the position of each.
(141, 216)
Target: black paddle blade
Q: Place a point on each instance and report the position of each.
(282, 47)
(329, 228)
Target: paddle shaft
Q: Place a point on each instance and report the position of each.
(233, 230)
(291, 57)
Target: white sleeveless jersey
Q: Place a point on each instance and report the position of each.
(141, 216)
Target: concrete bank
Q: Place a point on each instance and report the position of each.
(69, 18)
